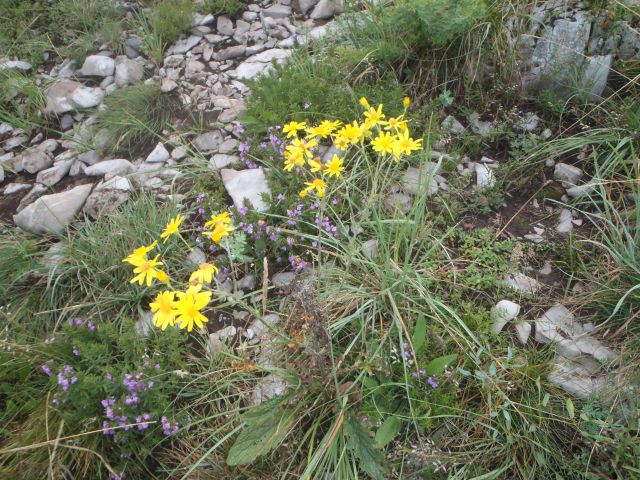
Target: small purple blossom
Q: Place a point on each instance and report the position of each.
(167, 428)
(242, 211)
(76, 351)
(280, 197)
(46, 369)
(238, 128)
(434, 383)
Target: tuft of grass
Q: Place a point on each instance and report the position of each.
(164, 25)
(133, 118)
(232, 8)
(21, 100)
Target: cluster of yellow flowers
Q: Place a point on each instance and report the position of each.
(171, 307)
(387, 136)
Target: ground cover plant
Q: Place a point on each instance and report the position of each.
(350, 321)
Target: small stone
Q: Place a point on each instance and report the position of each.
(523, 330)
(183, 46)
(250, 70)
(105, 201)
(326, 9)
(178, 153)
(565, 221)
(529, 123)
(260, 327)
(522, 283)
(127, 72)
(484, 176)
(12, 188)
(397, 200)
(97, 66)
(196, 257)
(277, 11)
(370, 248)
(225, 25)
(415, 180)
(231, 52)
(547, 332)
(90, 157)
(221, 160)
(167, 85)
(478, 126)
(54, 174)
(502, 313)
(248, 282)
(267, 388)
(303, 6)
(208, 142)
(158, 155)
(283, 280)
(218, 339)
(228, 145)
(591, 346)
(35, 160)
(452, 125)
(113, 167)
(15, 65)
(569, 174)
(201, 20)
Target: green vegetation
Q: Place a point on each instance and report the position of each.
(162, 27)
(233, 8)
(133, 118)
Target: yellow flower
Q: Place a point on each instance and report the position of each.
(374, 116)
(383, 143)
(313, 132)
(189, 305)
(140, 253)
(162, 307)
(406, 101)
(316, 166)
(293, 158)
(364, 102)
(334, 167)
(302, 146)
(162, 276)
(204, 273)
(318, 185)
(172, 227)
(146, 270)
(406, 144)
(396, 123)
(216, 219)
(341, 142)
(327, 127)
(292, 128)
(220, 231)
(353, 132)
(303, 193)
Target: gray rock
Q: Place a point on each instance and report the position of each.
(167, 85)
(224, 25)
(90, 157)
(158, 155)
(502, 313)
(528, 123)
(52, 213)
(280, 55)
(54, 256)
(208, 142)
(200, 20)
(277, 11)
(303, 6)
(591, 346)
(595, 75)
(370, 248)
(33, 160)
(15, 65)
(248, 282)
(565, 221)
(178, 153)
(54, 174)
(250, 70)
(183, 46)
(572, 377)
(112, 167)
(260, 327)
(248, 185)
(97, 66)
(228, 145)
(563, 172)
(217, 340)
(479, 127)
(36, 191)
(12, 188)
(267, 388)
(326, 9)
(1, 173)
(128, 71)
(523, 330)
(196, 257)
(283, 279)
(415, 180)
(521, 283)
(451, 124)
(397, 200)
(580, 190)
(547, 332)
(228, 53)
(66, 95)
(222, 160)
(144, 325)
(104, 200)
(484, 176)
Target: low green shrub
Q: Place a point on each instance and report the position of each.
(232, 8)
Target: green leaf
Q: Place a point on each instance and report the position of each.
(265, 428)
(437, 365)
(388, 431)
(361, 446)
(570, 409)
(419, 333)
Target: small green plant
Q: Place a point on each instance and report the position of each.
(164, 25)
(133, 117)
(232, 8)
(21, 100)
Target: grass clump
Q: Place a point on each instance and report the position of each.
(232, 8)
(133, 118)
(21, 100)
(164, 25)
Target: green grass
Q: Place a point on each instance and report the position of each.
(232, 8)
(21, 101)
(133, 118)
(164, 25)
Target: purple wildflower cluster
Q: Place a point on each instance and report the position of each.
(134, 386)
(295, 215)
(66, 377)
(326, 225)
(167, 427)
(260, 229)
(79, 323)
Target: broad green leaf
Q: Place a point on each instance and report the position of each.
(360, 444)
(388, 431)
(419, 333)
(437, 365)
(570, 410)
(264, 430)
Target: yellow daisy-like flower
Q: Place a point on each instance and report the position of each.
(140, 253)
(216, 219)
(406, 101)
(383, 143)
(146, 270)
(316, 166)
(353, 132)
(396, 123)
(364, 102)
(406, 144)
(374, 116)
(313, 132)
(162, 276)
(162, 308)
(292, 128)
(327, 127)
(303, 193)
(304, 147)
(318, 185)
(292, 159)
(172, 227)
(205, 273)
(189, 305)
(340, 142)
(334, 167)
(220, 232)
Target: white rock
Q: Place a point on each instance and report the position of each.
(208, 142)
(113, 167)
(566, 173)
(217, 339)
(580, 190)
(228, 146)
(54, 174)
(523, 330)
(222, 160)
(267, 388)
(52, 213)
(248, 185)
(502, 313)
(565, 221)
(591, 346)
(97, 66)
(15, 65)
(484, 176)
(283, 279)
(12, 188)
(260, 327)
(326, 9)
(86, 97)
(451, 124)
(34, 160)
(278, 54)
(167, 85)
(277, 11)
(547, 332)
(249, 70)
(158, 155)
(522, 283)
(572, 377)
(225, 25)
(183, 46)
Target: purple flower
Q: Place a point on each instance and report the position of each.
(243, 148)
(167, 428)
(46, 369)
(108, 376)
(76, 352)
(242, 211)
(238, 128)
(280, 197)
(106, 428)
(434, 383)
(307, 106)
(91, 326)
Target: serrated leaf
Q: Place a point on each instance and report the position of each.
(388, 431)
(361, 446)
(437, 365)
(264, 430)
(419, 333)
